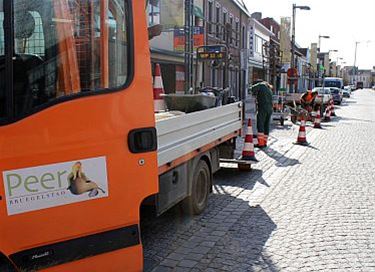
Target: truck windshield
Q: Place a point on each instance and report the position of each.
(61, 48)
(332, 83)
(2, 63)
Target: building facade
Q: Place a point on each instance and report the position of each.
(274, 51)
(259, 49)
(226, 23)
(215, 22)
(167, 49)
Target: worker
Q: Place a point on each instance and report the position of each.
(262, 90)
(308, 100)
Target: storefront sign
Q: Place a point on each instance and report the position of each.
(179, 38)
(251, 43)
(47, 186)
(212, 52)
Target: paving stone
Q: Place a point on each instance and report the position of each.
(300, 209)
(187, 263)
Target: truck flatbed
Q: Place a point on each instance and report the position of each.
(182, 135)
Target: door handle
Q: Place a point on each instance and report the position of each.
(142, 140)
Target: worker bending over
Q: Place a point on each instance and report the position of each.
(262, 90)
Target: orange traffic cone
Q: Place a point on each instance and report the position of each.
(317, 120)
(248, 153)
(332, 108)
(301, 140)
(327, 115)
(159, 104)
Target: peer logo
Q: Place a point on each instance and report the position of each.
(47, 186)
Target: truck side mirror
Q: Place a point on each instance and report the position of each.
(154, 31)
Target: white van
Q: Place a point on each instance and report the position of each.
(333, 82)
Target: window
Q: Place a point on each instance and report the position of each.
(258, 44)
(231, 24)
(218, 30)
(237, 32)
(243, 37)
(3, 110)
(154, 13)
(225, 33)
(210, 16)
(61, 49)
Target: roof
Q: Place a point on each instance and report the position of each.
(303, 51)
(262, 27)
(242, 6)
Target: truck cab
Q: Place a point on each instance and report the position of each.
(77, 134)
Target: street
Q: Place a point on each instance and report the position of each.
(299, 209)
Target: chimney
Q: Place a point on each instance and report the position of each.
(257, 16)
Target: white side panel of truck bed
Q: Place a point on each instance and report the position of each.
(178, 136)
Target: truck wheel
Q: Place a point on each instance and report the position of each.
(197, 202)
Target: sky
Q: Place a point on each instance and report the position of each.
(345, 21)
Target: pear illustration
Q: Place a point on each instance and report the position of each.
(80, 184)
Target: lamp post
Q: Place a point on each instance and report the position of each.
(292, 61)
(333, 50)
(329, 60)
(342, 70)
(320, 75)
(324, 37)
(338, 66)
(355, 59)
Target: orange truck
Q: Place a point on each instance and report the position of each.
(80, 150)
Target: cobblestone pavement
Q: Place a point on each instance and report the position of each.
(300, 209)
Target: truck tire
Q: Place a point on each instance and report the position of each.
(201, 182)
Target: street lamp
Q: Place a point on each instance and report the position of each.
(355, 59)
(292, 62)
(333, 50)
(342, 69)
(329, 60)
(324, 37)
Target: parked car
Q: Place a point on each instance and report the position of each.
(336, 95)
(347, 91)
(323, 98)
(350, 88)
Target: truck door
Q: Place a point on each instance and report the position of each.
(77, 137)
